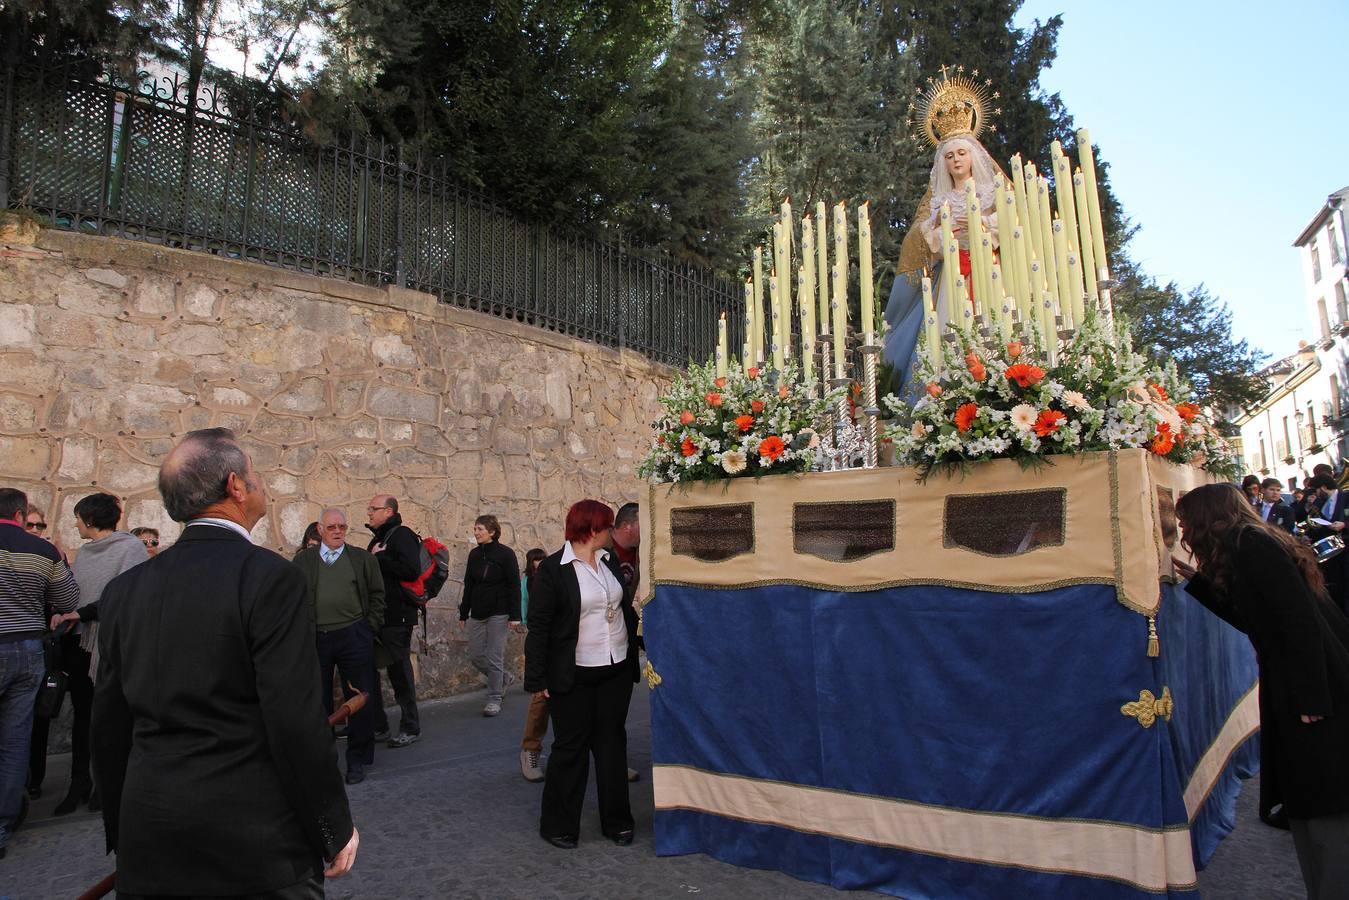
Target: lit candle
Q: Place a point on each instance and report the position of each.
(807, 318)
(747, 357)
(1075, 288)
(1000, 302)
(838, 307)
(1021, 257)
(1085, 242)
(1034, 233)
(721, 347)
(1088, 161)
(1047, 236)
(864, 268)
(1063, 192)
(933, 328)
(759, 318)
(822, 265)
(782, 302)
(1048, 327)
(974, 233)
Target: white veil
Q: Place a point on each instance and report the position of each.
(982, 167)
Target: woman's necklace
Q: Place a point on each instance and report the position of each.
(610, 607)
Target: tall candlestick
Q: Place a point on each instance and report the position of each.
(974, 233)
(1085, 241)
(805, 290)
(822, 266)
(778, 355)
(864, 267)
(950, 267)
(1025, 299)
(759, 317)
(722, 362)
(1088, 161)
(1048, 328)
(838, 307)
(1004, 307)
(933, 328)
(1034, 232)
(747, 354)
(1024, 221)
(782, 303)
(1075, 288)
(1047, 236)
(1063, 279)
(1063, 192)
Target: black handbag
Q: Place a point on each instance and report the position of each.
(52, 691)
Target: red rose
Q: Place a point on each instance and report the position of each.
(965, 416)
(686, 418)
(752, 373)
(744, 423)
(688, 447)
(978, 372)
(713, 398)
(1014, 349)
(1025, 375)
(1048, 422)
(756, 406)
(771, 447)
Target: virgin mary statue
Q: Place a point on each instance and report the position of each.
(952, 113)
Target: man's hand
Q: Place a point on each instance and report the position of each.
(378, 548)
(59, 618)
(517, 628)
(543, 693)
(463, 623)
(345, 858)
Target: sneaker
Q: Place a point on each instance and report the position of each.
(341, 732)
(402, 739)
(492, 708)
(529, 765)
(382, 734)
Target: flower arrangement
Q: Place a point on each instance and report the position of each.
(1006, 400)
(747, 422)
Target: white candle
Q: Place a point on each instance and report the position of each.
(722, 362)
(864, 268)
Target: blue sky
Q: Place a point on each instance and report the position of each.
(1226, 126)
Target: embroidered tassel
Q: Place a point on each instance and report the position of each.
(1154, 645)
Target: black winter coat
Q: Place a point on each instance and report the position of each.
(1302, 646)
(400, 560)
(491, 583)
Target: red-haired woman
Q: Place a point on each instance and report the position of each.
(1267, 585)
(581, 655)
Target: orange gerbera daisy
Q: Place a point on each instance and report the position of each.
(1162, 441)
(713, 398)
(1187, 411)
(771, 447)
(756, 405)
(1048, 422)
(1025, 375)
(744, 423)
(965, 416)
(688, 447)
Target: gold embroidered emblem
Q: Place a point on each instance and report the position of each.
(1148, 708)
(652, 679)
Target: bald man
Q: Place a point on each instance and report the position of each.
(216, 765)
(398, 551)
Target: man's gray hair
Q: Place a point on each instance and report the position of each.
(333, 509)
(194, 477)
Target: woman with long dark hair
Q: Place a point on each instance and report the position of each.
(1266, 584)
(581, 656)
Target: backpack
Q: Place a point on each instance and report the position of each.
(434, 564)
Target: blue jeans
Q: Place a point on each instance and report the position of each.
(21, 670)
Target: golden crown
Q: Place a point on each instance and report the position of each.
(953, 105)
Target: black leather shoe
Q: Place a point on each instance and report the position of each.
(74, 797)
(355, 775)
(622, 838)
(562, 841)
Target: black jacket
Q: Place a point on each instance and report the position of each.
(400, 560)
(215, 762)
(555, 621)
(491, 583)
(1280, 515)
(1302, 645)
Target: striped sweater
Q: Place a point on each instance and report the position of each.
(34, 583)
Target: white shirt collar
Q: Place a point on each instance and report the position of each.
(329, 554)
(223, 523)
(569, 554)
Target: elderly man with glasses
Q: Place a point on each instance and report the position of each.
(346, 592)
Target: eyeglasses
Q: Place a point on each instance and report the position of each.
(371, 509)
(334, 528)
(150, 543)
(35, 526)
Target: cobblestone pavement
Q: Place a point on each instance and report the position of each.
(450, 816)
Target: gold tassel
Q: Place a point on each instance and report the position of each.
(1154, 645)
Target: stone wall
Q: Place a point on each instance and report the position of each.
(110, 350)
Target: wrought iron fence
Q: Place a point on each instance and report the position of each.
(139, 159)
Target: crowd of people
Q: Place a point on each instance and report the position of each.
(201, 676)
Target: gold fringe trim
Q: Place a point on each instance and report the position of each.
(652, 679)
(1154, 644)
(1147, 709)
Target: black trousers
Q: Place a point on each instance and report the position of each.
(309, 889)
(589, 720)
(397, 641)
(80, 690)
(352, 651)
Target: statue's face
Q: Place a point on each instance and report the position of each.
(958, 161)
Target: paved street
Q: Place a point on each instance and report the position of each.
(450, 816)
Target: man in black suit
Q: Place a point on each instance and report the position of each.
(217, 769)
(346, 593)
(1330, 505)
(1271, 506)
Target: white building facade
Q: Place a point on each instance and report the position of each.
(1301, 423)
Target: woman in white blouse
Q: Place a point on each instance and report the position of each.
(581, 655)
